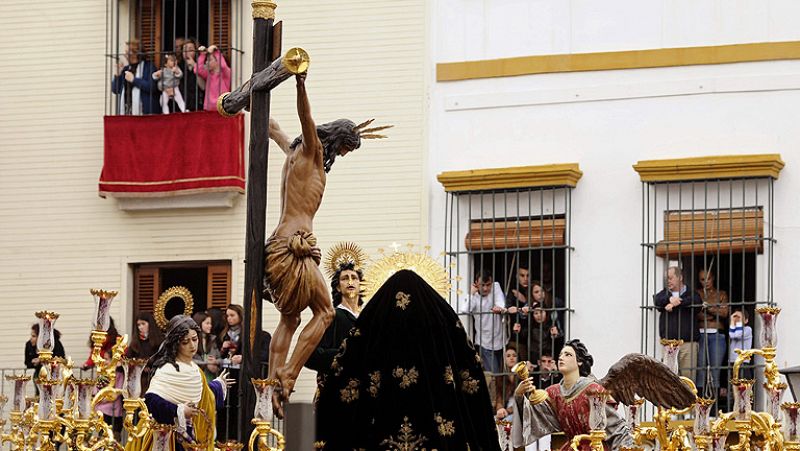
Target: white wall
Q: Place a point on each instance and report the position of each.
(486, 29)
(607, 121)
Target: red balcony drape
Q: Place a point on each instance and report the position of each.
(170, 154)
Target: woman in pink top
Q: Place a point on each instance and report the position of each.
(212, 67)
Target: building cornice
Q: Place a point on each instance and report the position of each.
(565, 174)
(627, 59)
(709, 168)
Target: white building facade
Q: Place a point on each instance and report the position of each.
(595, 86)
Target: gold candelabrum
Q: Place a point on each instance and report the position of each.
(259, 438)
(765, 431)
(598, 399)
(65, 415)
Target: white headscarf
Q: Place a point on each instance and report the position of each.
(178, 387)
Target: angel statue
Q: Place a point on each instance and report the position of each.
(565, 406)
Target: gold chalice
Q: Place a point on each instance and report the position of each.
(521, 370)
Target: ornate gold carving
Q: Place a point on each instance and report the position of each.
(221, 108)
(179, 292)
(403, 300)
(296, 60)
(341, 253)
(407, 377)
(349, 393)
(445, 428)
(46, 314)
(419, 262)
(263, 9)
(565, 174)
(254, 303)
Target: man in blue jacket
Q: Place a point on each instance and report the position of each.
(134, 84)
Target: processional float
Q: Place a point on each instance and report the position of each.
(773, 429)
(65, 411)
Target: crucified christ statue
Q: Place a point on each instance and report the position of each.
(294, 281)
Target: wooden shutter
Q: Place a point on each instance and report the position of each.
(145, 288)
(698, 232)
(219, 285)
(505, 234)
(219, 26)
(148, 29)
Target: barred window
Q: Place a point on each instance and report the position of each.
(509, 254)
(707, 263)
(159, 28)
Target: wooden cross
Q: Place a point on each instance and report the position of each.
(266, 48)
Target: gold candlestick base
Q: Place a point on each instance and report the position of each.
(703, 442)
(98, 337)
(745, 430)
(595, 438)
(138, 430)
(262, 432)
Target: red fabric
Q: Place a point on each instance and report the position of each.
(573, 414)
(169, 154)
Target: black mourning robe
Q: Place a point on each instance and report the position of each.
(407, 377)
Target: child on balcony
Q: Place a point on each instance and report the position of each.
(212, 67)
(169, 78)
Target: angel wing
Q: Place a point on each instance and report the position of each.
(638, 374)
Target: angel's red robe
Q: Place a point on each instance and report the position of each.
(565, 410)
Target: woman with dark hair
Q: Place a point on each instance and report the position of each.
(147, 339)
(207, 349)
(192, 87)
(231, 336)
(179, 393)
(231, 359)
(31, 350)
(217, 321)
(145, 343)
(347, 300)
(565, 407)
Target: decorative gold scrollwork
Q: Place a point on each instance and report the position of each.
(179, 292)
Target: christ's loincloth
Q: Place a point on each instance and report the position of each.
(291, 268)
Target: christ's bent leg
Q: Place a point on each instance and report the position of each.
(278, 349)
(309, 338)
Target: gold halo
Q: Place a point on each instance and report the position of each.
(344, 252)
(179, 292)
(419, 262)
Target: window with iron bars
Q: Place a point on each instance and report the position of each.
(718, 235)
(509, 257)
(153, 31)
